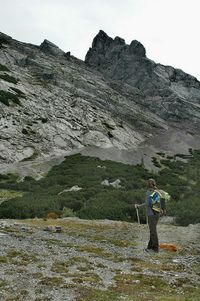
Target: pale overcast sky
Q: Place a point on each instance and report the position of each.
(168, 29)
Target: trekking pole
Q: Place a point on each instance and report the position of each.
(138, 218)
(140, 230)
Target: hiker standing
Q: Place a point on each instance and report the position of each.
(152, 198)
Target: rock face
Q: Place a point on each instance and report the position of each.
(52, 103)
(63, 105)
(166, 91)
(50, 48)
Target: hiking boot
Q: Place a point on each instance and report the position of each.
(150, 250)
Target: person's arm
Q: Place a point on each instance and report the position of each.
(140, 205)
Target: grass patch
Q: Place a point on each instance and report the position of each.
(60, 267)
(112, 241)
(166, 265)
(41, 265)
(94, 251)
(88, 294)
(81, 263)
(20, 258)
(37, 275)
(139, 286)
(77, 226)
(43, 298)
(86, 278)
(3, 259)
(52, 281)
(9, 194)
(3, 283)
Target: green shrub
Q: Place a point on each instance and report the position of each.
(156, 162)
(180, 179)
(8, 78)
(107, 206)
(4, 68)
(6, 97)
(187, 211)
(67, 212)
(8, 179)
(28, 178)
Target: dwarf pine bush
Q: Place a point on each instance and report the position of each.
(180, 179)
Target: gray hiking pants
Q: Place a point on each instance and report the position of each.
(153, 241)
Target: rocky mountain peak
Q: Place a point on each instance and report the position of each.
(137, 49)
(159, 84)
(118, 41)
(101, 41)
(52, 103)
(50, 48)
(104, 48)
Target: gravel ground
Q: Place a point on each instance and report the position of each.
(40, 263)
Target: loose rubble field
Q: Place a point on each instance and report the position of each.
(81, 260)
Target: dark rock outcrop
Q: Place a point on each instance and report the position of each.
(50, 48)
(169, 92)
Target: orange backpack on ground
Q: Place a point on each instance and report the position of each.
(169, 247)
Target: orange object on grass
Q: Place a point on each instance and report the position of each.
(169, 247)
(52, 215)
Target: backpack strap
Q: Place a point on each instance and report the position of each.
(160, 193)
(154, 201)
(155, 196)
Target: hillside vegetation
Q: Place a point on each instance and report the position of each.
(179, 175)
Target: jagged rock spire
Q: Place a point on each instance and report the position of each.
(50, 48)
(103, 44)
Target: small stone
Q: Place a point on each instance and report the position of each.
(48, 229)
(58, 229)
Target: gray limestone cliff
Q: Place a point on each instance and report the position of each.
(52, 103)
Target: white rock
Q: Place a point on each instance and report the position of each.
(73, 188)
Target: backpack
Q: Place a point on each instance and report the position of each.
(157, 200)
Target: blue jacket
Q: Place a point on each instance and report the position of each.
(152, 197)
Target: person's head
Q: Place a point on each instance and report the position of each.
(151, 184)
